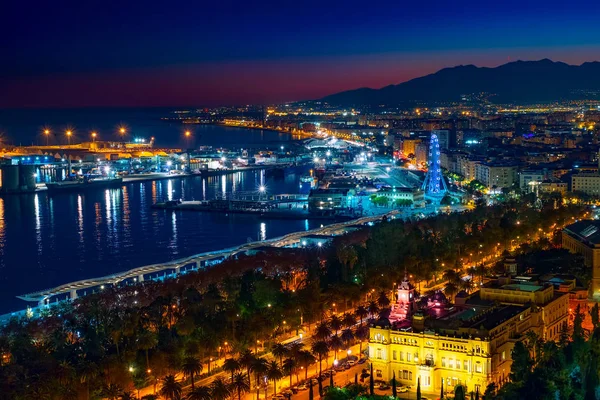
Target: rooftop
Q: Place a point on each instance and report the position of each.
(522, 286)
(586, 231)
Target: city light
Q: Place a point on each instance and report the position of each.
(262, 189)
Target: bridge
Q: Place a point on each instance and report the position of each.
(173, 268)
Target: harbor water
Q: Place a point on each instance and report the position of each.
(47, 240)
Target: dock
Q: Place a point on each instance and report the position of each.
(284, 206)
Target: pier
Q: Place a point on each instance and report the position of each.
(172, 269)
(285, 206)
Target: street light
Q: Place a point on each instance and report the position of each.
(47, 134)
(69, 133)
(188, 135)
(94, 136)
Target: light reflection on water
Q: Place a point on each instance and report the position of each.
(49, 240)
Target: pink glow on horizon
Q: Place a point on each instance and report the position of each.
(257, 82)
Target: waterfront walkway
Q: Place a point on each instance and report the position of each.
(72, 290)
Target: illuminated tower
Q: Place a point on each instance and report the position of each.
(434, 184)
(405, 305)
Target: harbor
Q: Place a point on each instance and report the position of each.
(91, 203)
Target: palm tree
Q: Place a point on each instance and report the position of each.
(87, 371)
(199, 393)
(191, 367)
(112, 391)
(335, 323)
(305, 359)
(322, 332)
(147, 340)
(240, 384)
(383, 301)
(451, 276)
(279, 351)
(348, 320)
(373, 309)
(128, 396)
(260, 368)
(361, 312)
(361, 333)
(219, 389)
(274, 374)
(231, 365)
(289, 366)
(247, 360)
(450, 290)
(347, 337)
(295, 348)
(321, 349)
(336, 344)
(171, 389)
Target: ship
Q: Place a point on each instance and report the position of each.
(84, 184)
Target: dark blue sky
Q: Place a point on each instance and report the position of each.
(137, 53)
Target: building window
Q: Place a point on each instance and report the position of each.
(410, 375)
(466, 365)
(443, 361)
(451, 363)
(503, 355)
(457, 364)
(401, 356)
(408, 356)
(379, 353)
(378, 373)
(416, 357)
(405, 374)
(478, 367)
(394, 355)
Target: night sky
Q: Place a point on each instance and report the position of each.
(172, 53)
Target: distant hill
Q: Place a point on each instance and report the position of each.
(518, 82)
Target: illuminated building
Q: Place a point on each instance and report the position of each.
(496, 174)
(329, 200)
(586, 183)
(469, 343)
(583, 238)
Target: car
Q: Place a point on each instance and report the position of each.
(302, 386)
(383, 386)
(403, 389)
(362, 361)
(285, 392)
(351, 363)
(278, 397)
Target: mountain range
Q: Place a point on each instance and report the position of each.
(519, 82)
